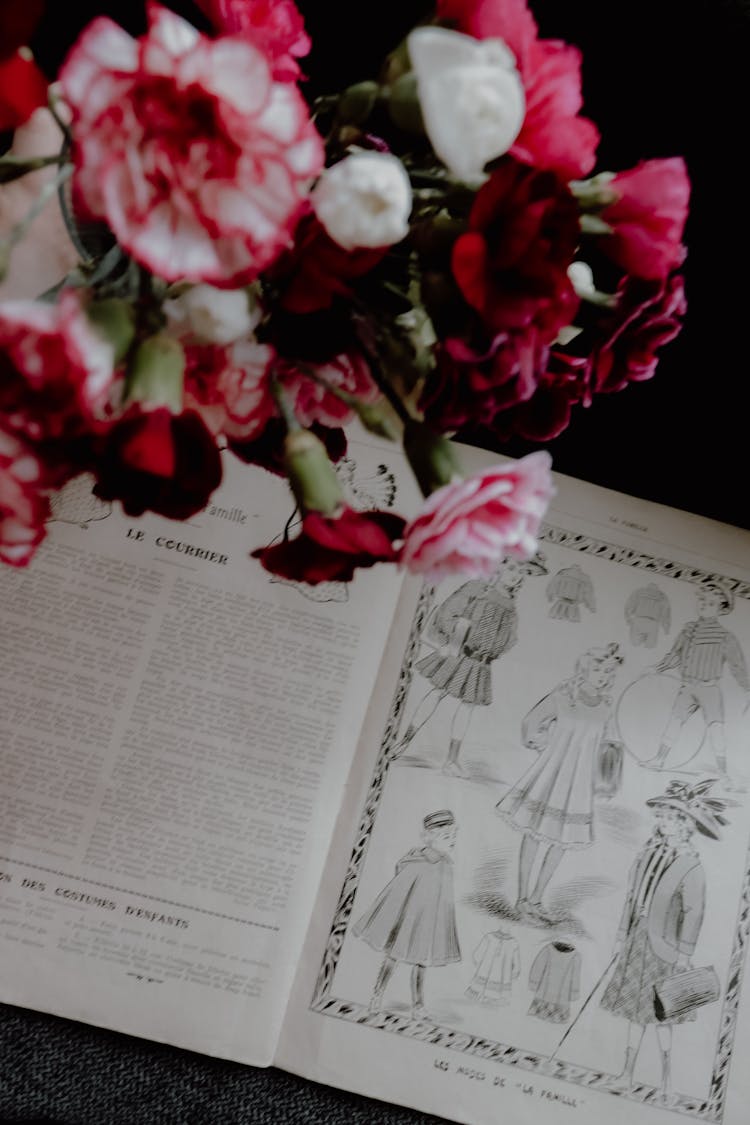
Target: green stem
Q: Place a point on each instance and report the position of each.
(21, 228)
(285, 407)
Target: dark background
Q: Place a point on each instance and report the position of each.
(661, 78)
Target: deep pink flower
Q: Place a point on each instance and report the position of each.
(648, 315)
(57, 371)
(153, 460)
(470, 526)
(313, 403)
(198, 160)
(511, 266)
(648, 218)
(230, 386)
(553, 136)
(275, 26)
(23, 506)
(331, 548)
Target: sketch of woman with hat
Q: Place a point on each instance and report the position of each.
(553, 802)
(413, 919)
(662, 917)
(701, 652)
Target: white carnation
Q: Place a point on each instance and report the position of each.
(471, 96)
(214, 316)
(364, 200)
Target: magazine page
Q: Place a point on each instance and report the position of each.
(537, 902)
(175, 732)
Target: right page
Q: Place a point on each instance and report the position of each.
(537, 902)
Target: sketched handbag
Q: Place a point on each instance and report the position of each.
(608, 768)
(685, 991)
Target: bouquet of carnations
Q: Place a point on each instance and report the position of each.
(424, 250)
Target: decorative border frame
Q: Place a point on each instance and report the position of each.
(324, 1003)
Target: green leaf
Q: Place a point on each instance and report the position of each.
(14, 167)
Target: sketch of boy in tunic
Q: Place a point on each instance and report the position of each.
(413, 919)
(555, 979)
(473, 628)
(568, 590)
(701, 651)
(553, 803)
(662, 917)
(646, 611)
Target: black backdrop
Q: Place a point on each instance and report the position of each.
(661, 77)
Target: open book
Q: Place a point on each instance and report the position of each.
(480, 849)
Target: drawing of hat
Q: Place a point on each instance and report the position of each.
(443, 818)
(727, 597)
(693, 801)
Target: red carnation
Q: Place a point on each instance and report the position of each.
(648, 315)
(648, 218)
(331, 548)
(23, 506)
(160, 462)
(275, 26)
(511, 266)
(23, 87)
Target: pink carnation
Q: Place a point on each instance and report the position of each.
(23, 507)
(648, 218)
(275, 26)
(198, 160)
(472, 525)
(57, 371)
(313, 403)
(553, 136)
(230, 387)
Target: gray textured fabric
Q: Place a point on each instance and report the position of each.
(58, 1072)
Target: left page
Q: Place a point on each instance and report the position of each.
(175, 731)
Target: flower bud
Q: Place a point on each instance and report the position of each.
(114, 320)
(364, 200)
(311, 475)
(156, 373)
(357, 102)
(403, 104)
(472, 98)
(432, 457)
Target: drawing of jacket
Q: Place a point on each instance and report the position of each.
(497, 965)
(701, 650)
(480, 622)
(555, 977)
(413, 919)
(569, 589)
(661, 919)
(645, 611)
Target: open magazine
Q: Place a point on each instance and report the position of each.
(479, 848)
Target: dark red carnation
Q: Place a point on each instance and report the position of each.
(331, 548)
(23, 88)
(316, 269)
(160, 462)
(648, 315)
(563, 384)
(511, 265)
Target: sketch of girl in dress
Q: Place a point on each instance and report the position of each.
(473, 628)
(662, 917)
(574, 731)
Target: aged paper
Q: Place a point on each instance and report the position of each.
(176, 729)
(537, 902)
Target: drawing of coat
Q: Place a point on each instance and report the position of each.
(497, 965)
(480, 622)
(700, 651)
(413, 919)
(646, 610)
(661, 919)
(554, 799)
(569, 589)
(555, 977)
